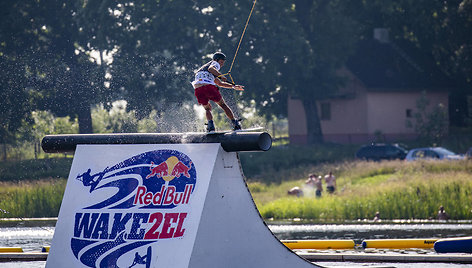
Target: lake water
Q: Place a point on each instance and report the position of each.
(33, 238)
(361, 231)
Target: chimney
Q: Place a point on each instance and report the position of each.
(381, 35)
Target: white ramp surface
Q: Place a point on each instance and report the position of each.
(232, 233)
(162, 205)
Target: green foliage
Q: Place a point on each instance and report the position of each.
(397, 203)
(372, 179)
(34, 169)
(54, 57)
(430, 123)
(399, 190)
(279, 162)
(257, 187)
(250, 118)
(115, 120)
(45, 123)
(118, 119)
(31, 199)
(148, 124)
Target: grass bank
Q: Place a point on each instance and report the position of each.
(283, 163)
(32, 188)
(397, 189)
(31, 199)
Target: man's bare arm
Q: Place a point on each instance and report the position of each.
(216, 73)
(228, 85)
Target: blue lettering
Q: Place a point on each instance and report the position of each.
(82, 223)
(138, 218)
(119, 224)
(101, 227)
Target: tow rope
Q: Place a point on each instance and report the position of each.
(239, 45)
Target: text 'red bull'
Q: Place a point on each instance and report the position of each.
(166, 196)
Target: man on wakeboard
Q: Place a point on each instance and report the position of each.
(206, 82)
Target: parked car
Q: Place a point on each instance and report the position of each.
(379, 152)
(432, 153)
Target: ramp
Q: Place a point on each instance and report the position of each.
(132, 203)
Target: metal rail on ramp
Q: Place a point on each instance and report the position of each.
(231, 142)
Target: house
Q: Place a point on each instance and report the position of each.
(384, 85)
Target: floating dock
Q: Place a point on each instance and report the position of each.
(319, 244)
(399, 243)
(29, 256)
(11, 249)
(454, 245)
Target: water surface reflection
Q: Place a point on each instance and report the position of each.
(32, 239)
(359, 232)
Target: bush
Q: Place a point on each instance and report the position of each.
(398, 189)
(35, 169)
(31, 199)
(278, 163)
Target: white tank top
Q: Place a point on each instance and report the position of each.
(204, 76)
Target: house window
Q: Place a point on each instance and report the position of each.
(325, 111)
(409, 113)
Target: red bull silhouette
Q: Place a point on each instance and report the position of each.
(181, 169)
(159, 171)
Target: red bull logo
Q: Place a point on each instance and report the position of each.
(169, 169)
(139, 211)
(159, 171)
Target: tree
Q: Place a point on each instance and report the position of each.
(439, 29)
(293, 48)
(431, 123)
(67, 56)
(152, 65)
(54, 55)
(14, 94)
(331, 33)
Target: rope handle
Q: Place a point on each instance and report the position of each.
(229, 74)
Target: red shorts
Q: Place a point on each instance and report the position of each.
(206, 93)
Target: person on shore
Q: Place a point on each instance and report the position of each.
(377, 217)
(315, 181)
(442, 215)
(330, 180)
(311, 180)
(295, 191)
(206, 82)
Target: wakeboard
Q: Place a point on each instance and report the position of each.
(234, 131)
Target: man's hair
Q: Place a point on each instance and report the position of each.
(219, 56)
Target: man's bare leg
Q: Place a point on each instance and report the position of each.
(229, 114)
(225, 107)
(208, 114)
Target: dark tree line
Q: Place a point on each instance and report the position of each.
(66, 56)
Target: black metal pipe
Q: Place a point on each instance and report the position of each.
(231, 142)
